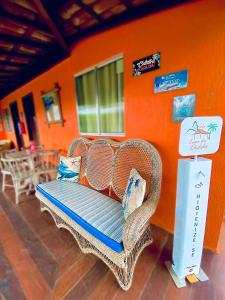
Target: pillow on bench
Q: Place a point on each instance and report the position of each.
(134, 194)
(69, 168)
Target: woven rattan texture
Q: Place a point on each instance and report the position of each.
(99, 165)
(79, 147)
(107, 164)
(131, 155)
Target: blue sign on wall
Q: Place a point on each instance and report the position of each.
(172, 81)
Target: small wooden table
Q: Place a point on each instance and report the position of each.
(19, 154)
(42, 162)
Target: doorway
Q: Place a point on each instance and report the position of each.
(29, 110)
(16, 119)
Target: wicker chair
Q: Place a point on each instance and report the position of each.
(6, 174)
(21, 170)
(46, 165)
(106, 165)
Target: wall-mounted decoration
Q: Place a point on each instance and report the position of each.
(7, 119)
(146, 64)
(52, 105)
(183, 107)
(172, 81)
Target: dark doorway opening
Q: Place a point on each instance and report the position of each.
(16, 120)
(29, 110)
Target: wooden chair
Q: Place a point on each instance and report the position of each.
(46, 166)
(6, 174)
(21, 170)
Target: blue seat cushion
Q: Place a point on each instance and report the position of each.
(98, 214)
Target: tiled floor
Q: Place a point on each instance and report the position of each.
(39, 261)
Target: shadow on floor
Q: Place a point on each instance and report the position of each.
(39, 261)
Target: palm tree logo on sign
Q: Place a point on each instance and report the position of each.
(199, 131)
(200, 135)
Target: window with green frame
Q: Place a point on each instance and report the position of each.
(100, 100)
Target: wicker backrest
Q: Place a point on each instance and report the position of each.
(99, 165)
(79, 147)
(107, 164)
(131, 154)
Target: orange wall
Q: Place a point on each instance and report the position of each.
(2, 133)
(190, 37)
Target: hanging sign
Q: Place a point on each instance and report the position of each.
(146, 64)
(200, 135)
(172, 81)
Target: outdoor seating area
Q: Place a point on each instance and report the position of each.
(24, 169)
(112, 150)
(115, 241)
(33, 247)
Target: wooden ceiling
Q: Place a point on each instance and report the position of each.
(36, 34)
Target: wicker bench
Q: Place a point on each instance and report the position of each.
(95, 218)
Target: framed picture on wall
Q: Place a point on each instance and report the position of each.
(52, 105)
(183, 107)
(7, 120)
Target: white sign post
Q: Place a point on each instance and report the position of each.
(199, 135)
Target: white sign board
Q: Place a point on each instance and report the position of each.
(200, 135)
(191, 209)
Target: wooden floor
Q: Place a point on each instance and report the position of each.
(39, 261)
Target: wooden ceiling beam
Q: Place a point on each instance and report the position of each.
(52, 26)
(8, 77)
(3, 74)
(127, 3)
(7, 80)
(89, 10)
(8, 88)
(15, 54)
(132, 13)
(23, 41)
(30, 72)
(11, 72)
(12, 64)
(36, 26)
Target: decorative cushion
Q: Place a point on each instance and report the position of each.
(69, 168)
(98, 214)
(134, 194)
